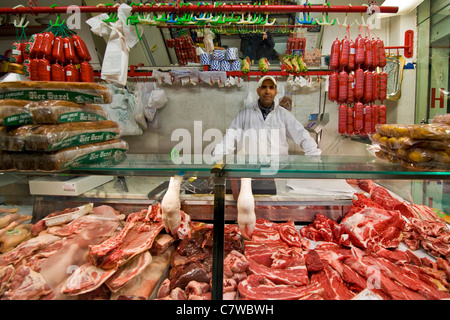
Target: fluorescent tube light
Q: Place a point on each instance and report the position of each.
(404, 7)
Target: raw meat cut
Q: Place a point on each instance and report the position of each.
(128, 271)
(408, 279)
(136, 237)
(295, 274)
(142, 286)
(258, 287)
(313, 261)
(85, 279)
(290, 235)
(334, 286)
(192, 261)
(261, 252)
(27, 249)
(425, 229)
(26, 284)
(235, 262)
(275, 253)
(325, 229)
(161, 243)
(197, 288)
(372, 227)
(101, 217)
(379, 283)
(6, 274)
(379, 194)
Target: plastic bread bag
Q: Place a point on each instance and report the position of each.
(78, 92)
(431, 131)
(85, 154)
(420, 166)
(60, 136)
(442, 118)
(60, 111)
(407, 142)
(157, 100)
(141, 95)
(14, 112)
(13, 138)
(414, 157)
(67, 158)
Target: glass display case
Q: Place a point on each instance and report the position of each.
(294, 188)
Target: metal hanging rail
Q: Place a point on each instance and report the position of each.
(201, 8)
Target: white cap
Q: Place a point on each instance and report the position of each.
(260, 82)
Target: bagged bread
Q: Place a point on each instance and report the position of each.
(442, 118)
(405, 142)
(14, 112)
(432, 131)
(13, 138)
(78, 92)
(111, 151)
(85, 154)
(60, 111)
(53, 137)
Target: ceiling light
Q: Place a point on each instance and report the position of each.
(404, 6)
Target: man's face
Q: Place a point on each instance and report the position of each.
(267, 93)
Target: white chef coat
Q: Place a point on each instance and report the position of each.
(254, 135)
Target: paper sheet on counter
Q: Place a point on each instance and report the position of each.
(336, 188)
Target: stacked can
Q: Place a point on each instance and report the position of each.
(224, 60)
(225, 65)
(233, 59)
(236, 65)
(205, 58)
(218, 56)
(232, 54)
(215, 65)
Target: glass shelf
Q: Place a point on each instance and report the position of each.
(298, 166)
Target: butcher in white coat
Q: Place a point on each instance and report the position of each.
(262, 129)
(265, 127)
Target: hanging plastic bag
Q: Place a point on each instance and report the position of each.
(158, 99)
(122, 37)
(208, 40)
(250, 99)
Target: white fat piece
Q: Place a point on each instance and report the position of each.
(246, 207)
(171, 205)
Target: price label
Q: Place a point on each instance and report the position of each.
(68, 186)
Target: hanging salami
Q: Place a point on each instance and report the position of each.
(342, 124)
(342, 86)
(333, 86)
